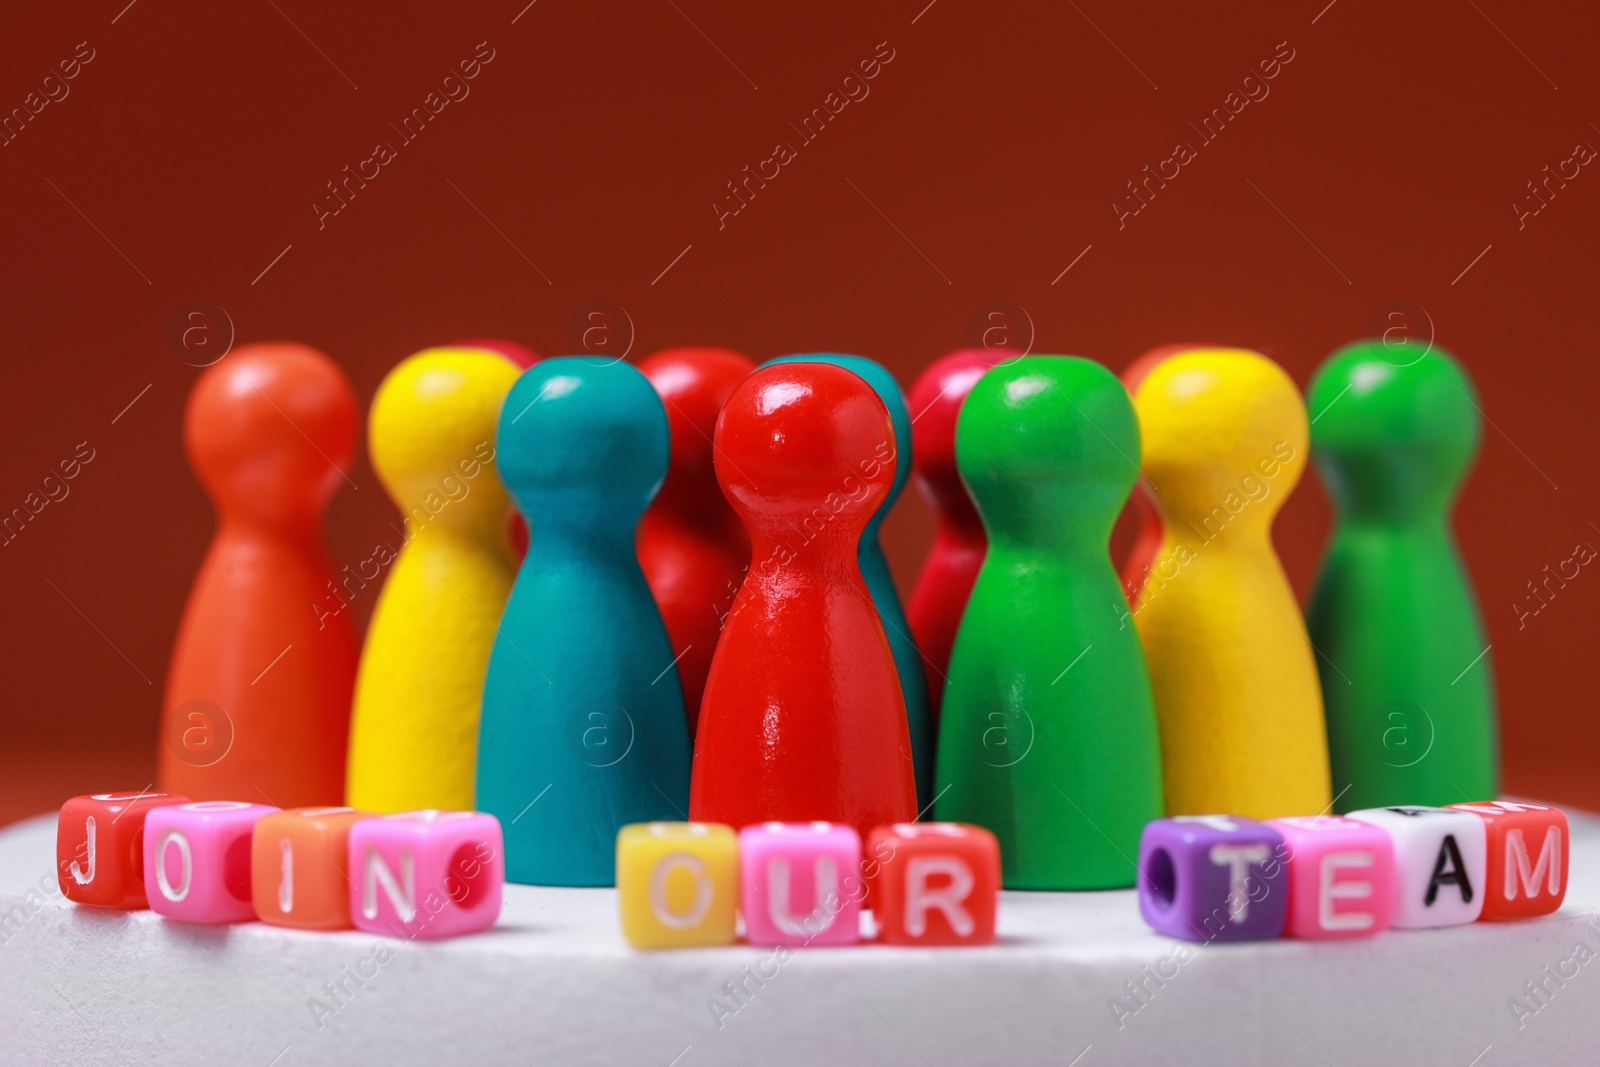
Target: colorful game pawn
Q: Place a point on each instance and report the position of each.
(1048, 735)
(524, 357)
(875, 567)
(583, 727)
(1148, 540)
(803, 717)
(414, 730)
(693, 548)
(258, 695)
(1236, 690)
(1411, 716)
(951, 565)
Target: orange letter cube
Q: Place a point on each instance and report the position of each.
(100, 847)
(299, 862)
(934, 883)
(1527, 870)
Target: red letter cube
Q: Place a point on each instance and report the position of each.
(1527, 871)
(935, 883)
(100, 847)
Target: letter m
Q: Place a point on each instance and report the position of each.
(1547, 870)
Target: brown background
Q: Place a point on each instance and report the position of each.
(984, 162)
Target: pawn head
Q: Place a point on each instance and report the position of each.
(1050, 448)
(935, 402)
(431, 433)
(808, 444)
(1392, 435)
(580, 435)
(270, 430)
(1223, 428)
(883, 383)
(693, 384)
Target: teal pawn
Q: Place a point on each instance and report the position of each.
(583, 728)
(875, 568)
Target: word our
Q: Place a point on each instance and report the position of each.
(855, 89)
(797, 884)
(417, 874)
(342, 190)
(1254, 89)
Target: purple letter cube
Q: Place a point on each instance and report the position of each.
(1212, 877)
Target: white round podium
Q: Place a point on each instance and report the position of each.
(554, 983)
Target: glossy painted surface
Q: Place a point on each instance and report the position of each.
(692, 547)
(100, 847)
(677, 884)
(1048, 735)
(875, 566)
(951, 566)
(1411, 709)
(803, 717)
(1148, 540)
(300, 867)
(1237, 694)
(258, 694)
(524, 357)
(414, 727)
(583, 729)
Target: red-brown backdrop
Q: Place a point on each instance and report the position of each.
(583, 162)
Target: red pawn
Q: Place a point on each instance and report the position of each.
(951, 566)
(802, 717)
(1147, 542)
(257, 706)
(692, 547)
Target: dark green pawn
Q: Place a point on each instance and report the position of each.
(1048, 735)
(1406, 676)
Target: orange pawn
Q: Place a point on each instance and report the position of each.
(257, 705)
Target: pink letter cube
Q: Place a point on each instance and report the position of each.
(801, 883)
(426, 874)
(197, 860)
(1440, 857)
(1341, 876)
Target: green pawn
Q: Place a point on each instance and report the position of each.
(1048, 736)
(1405, 673)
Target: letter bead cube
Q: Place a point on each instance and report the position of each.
(677, 884)
(100, 847)
(1439, 860)
(934, 883)
(801, 883)
(1341, 877)
(1212, 878)
(197, 860)
(300, 867)
(426, 874)
(1526, 873)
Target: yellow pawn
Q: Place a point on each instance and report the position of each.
(1236, 690)
(414, 727)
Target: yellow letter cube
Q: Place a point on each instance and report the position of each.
(677, 883)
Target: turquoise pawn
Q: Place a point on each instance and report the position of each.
(875, 568)
(583, 728)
